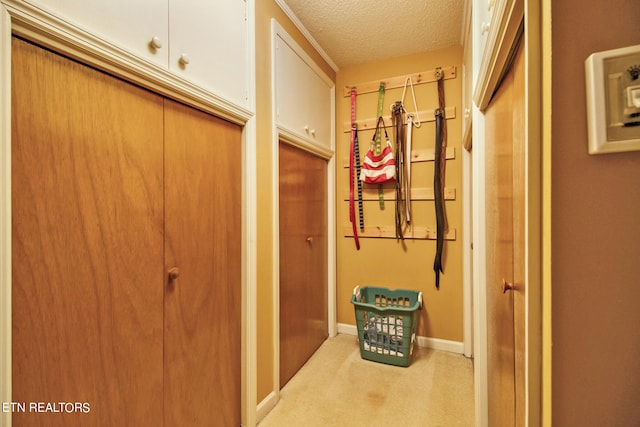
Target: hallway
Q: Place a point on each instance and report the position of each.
(336, 387)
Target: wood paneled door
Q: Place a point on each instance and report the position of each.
(202, 311)
(505, 174)
(303, 257)
(113, 187)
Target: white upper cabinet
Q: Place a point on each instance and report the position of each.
(209, 45)
(204, 42)
(138, 26)
(128, 24)
(303, 94)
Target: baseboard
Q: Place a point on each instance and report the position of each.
(346, 329)
(267, 404)
(434, 343)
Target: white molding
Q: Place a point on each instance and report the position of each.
(250, 280)
(5, 213)
(267, 405)
(296, 21)
(250, 238)
(441, 345)
(505, 23)
(347, 329)
(467, 253)
(479, 274)
(303, 143)
(425, 342)
(467, 19)
(275, 223)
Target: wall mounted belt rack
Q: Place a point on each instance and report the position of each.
(389, 232)
(399, 82)
(420, 156)
(424, 193)
(370, 123)
(371, 194)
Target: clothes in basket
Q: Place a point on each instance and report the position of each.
(384, 334)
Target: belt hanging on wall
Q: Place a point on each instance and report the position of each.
(356, 149)
(439, 176)
(378, 146)
(409, 134)
(354, 153)
(397, 115)
(403, 158)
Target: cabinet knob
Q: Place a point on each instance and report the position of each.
(173, 273)
(313, 132)
(156, 43)
(467, 113)
(306, 129)
(184, 59)
(506, 286)
(485, 27)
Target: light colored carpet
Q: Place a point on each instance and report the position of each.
(336, 387)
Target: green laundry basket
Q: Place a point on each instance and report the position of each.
(386, 321)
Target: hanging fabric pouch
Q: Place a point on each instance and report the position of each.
(378, 168)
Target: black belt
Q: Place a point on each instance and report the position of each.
(439, 177)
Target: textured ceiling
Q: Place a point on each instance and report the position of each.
(358, 31)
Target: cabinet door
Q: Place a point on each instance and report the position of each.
(303, 258)
(317, 98)
(87, 297)
(128, 24)
(212, 35)
(203, 212)
(303, 98)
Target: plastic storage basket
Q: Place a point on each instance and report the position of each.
(386, 321)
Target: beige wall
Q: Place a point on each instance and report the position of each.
(265, 10)
(595, 226)
(384, 262)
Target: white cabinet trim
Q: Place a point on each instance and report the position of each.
(296, 21)
(503, 30)
(5, 213)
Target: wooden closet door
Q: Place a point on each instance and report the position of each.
(87, 297)
(203, 208)
(303, 258)
(505, 151)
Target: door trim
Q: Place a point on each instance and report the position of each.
(503, 31)
(508, 16)
(31, 23)
(5, 213)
